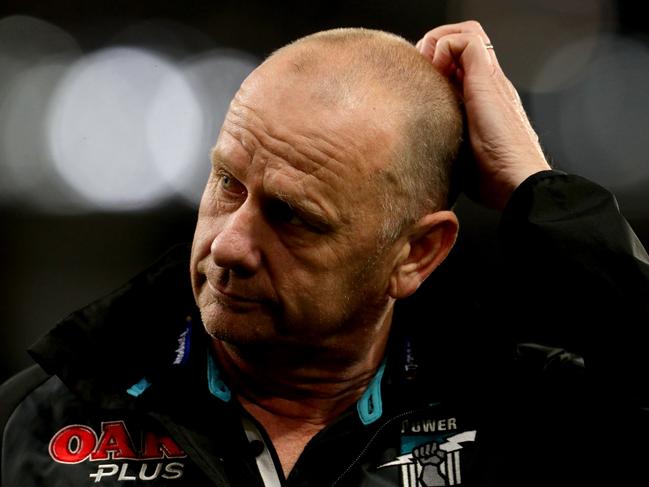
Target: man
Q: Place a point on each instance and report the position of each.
(328, 201)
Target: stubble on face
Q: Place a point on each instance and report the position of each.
(344, 280)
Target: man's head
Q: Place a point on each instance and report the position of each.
(323, 205)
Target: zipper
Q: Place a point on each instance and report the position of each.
(375, 435)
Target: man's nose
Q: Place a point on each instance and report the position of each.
(236, 246)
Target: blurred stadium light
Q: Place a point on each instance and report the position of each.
(599, 123)
(34, 55)
(118, 129)
(527, 33)
(181, 130)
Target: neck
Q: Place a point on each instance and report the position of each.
(311, 386)
(295, 391)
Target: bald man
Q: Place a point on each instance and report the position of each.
(296, 265)
(283, 361)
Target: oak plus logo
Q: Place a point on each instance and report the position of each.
(156, 458)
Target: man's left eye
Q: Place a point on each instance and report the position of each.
(229, 184)
(226, 181)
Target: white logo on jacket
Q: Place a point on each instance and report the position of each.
(432, 463)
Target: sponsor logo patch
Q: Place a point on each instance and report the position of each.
(157, 456)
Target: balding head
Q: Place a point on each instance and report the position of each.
(348, 66)
(328, 148)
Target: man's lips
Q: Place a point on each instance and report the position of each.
(229, 297)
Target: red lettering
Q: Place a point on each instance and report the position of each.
(114, 443)
(72, 444)
(76, 443)
(158, 447)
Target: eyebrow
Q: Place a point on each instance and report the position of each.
(216, 157)
(218, 160)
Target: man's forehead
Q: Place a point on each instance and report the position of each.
(293, 159)
(286, 122)
(322, 112)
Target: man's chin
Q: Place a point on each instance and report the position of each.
(236, 327)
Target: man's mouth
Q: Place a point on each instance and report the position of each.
(233, 300)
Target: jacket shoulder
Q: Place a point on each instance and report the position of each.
(16, 388)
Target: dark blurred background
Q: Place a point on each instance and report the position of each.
(108, 110)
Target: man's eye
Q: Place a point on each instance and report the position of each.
(229, 184)
(296, 221)
(226, 181)
(281, 212)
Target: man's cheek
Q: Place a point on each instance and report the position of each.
(318, 303)
(200, 249)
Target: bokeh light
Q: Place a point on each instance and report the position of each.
(527, 33)
(183, 125)
(599, 125)
(119, 129)
(97, 128)
(171, 38)
(34, 55)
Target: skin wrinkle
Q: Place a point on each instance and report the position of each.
(339, 261)
(326, 247)
(317, 162)
(286, 150)
(329, 247)
(301, 389)
(324, 211)
(268, 141)
(342, 143)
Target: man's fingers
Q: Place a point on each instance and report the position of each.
(427, 44)
(466, 52)
(466, 27)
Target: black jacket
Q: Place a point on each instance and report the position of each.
(124, 393)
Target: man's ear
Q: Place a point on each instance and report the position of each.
(429, 241)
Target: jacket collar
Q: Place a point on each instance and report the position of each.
(133, 333)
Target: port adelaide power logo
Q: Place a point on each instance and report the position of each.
(113, 452)
(431, 452)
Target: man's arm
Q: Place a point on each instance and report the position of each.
(580, 278)
(504, 146)
(577, 271)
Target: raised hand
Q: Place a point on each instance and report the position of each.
(505, 148)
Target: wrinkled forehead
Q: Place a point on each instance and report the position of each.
(320, 110)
